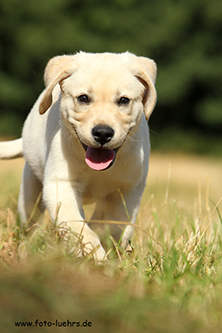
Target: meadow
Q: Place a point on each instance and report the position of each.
(170, 282)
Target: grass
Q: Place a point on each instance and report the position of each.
(172, 282)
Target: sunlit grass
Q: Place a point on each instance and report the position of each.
(171, 282)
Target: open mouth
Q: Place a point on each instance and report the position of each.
(99, 158)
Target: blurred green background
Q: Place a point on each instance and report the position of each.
(183, 37)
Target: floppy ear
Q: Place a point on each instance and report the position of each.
(145, 70)
(57, 69)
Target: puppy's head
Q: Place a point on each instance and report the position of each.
(103, 99)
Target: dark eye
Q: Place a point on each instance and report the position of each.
(83, 99)
(123, 101)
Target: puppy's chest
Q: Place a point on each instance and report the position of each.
(98, 189)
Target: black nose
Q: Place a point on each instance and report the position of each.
(102, 133)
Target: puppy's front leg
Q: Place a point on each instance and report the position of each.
(64, 205)
(132, 202)
(120, 206)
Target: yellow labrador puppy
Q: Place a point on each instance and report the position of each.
(86, 140)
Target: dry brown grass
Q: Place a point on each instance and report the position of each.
(170, 283)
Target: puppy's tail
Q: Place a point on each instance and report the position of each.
(11, 149)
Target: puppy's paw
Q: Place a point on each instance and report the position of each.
(91, 245)
(84, 244)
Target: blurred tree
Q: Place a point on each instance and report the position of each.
(184, 38)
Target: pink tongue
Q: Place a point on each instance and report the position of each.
(99, 159)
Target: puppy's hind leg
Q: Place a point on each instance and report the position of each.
(30, 205)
